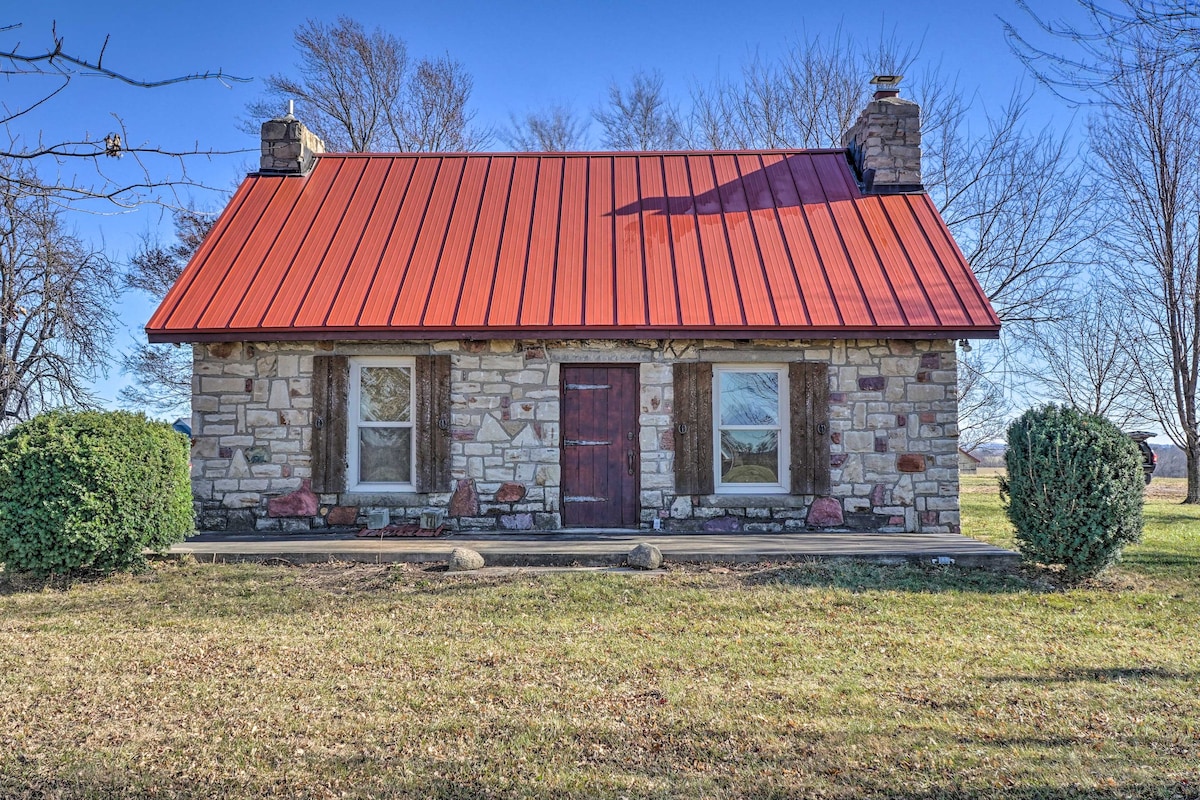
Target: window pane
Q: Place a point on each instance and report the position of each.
(749, 457)
(385, 455)
(385, 394)
(749, 398)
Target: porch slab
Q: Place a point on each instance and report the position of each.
(600, 548)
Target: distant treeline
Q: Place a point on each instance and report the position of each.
(1171, 461)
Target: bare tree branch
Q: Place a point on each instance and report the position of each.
(127, 172)
(359, 92)
(162, 374)
(555, 129)
(640, 116)
(57, 300)
(1126, 60)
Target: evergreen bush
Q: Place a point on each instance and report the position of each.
(1073, 490)
(91, 490)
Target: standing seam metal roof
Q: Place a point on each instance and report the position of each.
(763, 244)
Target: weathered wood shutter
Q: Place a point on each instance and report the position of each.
(809, 388)
(693, 428)
(432, 429)
(331, 385)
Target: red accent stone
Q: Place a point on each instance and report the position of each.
(880, 444)
(249, 385)
(534, 353)
(342, 515)
(465, 501)
(510, 493)
(931, 361)
(837, 459)
(300, 503)
(922, 377)
(911, 462)
(474, 346)
(878, 494)
(901, 420)
(895, 520)
(723, 525)
(837, 397)
(666, 440)
(928, 417)
(872, 384)
(836, 437)
(825, 512)
(929, 517)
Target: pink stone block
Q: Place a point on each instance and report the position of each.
(300, 503)
(825, 512)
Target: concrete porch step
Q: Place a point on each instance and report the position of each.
(600, 548)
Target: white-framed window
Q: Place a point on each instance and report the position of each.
(750, 429)
(381, 404)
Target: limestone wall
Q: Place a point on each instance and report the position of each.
(893, 429)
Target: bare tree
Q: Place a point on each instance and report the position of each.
(984, 394)
(359, 92)
(56, 302)
(1086, 358)
(808, 97)
(127, 172)
(639, 116)
(1017, 202)
(1145, 133)
(554, 129)
(162, 373)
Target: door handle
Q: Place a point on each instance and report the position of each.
(629, 454)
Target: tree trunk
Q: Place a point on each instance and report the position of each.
(1193, 470)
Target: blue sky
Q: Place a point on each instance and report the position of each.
(522, 55)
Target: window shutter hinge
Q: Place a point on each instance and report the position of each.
(443, 423)
(319, 422)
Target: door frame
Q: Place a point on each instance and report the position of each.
(636, 368)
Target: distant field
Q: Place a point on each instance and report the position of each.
(834, 680)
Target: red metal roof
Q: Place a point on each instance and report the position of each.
(646, 245)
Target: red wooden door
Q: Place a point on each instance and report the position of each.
(600, 458)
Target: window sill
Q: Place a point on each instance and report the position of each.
(398, 498)
(754, 501)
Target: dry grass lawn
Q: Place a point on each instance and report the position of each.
(812, 680)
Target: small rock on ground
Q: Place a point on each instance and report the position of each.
(463, 559)
(644, 556)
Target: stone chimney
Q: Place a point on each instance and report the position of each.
(885, 143)
(288, 148)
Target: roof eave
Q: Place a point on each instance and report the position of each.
(562, 332)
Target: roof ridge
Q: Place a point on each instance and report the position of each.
(589, 153)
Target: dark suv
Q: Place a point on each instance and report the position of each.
(1149, 459)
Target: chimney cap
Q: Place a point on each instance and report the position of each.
(886, 85)
(289, 115)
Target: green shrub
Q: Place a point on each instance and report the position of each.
(91, 489)
(1073, 490)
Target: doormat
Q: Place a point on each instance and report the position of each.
(411, 530)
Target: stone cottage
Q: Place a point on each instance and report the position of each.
(754, 341)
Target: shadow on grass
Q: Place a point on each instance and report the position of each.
(1100, 675)
(858, 576)
(1161, 558)
(449, 787)
(28, 583)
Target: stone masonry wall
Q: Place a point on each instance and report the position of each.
(893, 430)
